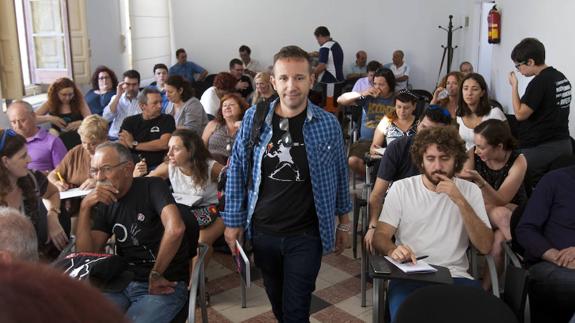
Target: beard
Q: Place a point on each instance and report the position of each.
(435, 180)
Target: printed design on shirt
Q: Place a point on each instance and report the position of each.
(154, 129)
(80, 271)
(563, 93)
(285, 169)
(122, 235)
(376, 112)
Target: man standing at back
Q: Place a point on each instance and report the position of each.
(329, 71)
(299, 188)
(187, 69)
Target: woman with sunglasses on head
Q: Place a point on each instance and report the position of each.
(30, 192)
(104, 83)
(474, 107)
(220, 133)
(193, 175)
(446, 93)
(401, 122)
(64, 110)
(498, 168)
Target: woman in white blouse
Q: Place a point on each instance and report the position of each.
(194, 175)
(474, 107)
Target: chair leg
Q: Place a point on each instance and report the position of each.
(356, 210)
(493, 275)
(243, 292)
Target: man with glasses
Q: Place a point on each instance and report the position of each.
(542, 111)
(45, 150)
(296, 183)
(244, 85)
(396, 164)
(147, 134)
(149, 233)
(123, 104)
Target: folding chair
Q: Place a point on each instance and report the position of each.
(198, 285)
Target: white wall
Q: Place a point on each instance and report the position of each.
(212, 31)
(552, 23)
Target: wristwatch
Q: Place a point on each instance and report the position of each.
(134, 143)
(155, 275)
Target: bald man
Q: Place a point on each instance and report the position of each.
(45, 150)
(358, 68)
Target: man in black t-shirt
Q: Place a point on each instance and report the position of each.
(149, 233)
(542, 111)
(147, 134)
(244, 85)
(396, 164)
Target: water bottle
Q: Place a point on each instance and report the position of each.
(443, 94)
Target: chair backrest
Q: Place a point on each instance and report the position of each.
(453, 303)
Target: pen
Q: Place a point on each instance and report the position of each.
(418, 258)
(60, 177)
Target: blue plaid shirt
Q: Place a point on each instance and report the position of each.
(327, 166)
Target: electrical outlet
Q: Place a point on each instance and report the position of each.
(466, 21)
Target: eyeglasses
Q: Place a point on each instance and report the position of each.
(519, 64)
(104, 169)
(442, 110)
(286, 137)
(103, 78)
(5, 134)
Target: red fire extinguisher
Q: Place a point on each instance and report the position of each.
(494, 26)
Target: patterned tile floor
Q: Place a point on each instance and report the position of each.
(337, 297)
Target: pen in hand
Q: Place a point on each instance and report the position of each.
(418, 258)
(60, 177)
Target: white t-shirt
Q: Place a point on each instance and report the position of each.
(467, 133)
(187, 193)
(403, 70)
(210, 101)
(430, 223)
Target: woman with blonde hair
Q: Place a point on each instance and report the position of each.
(73, 170)
(264, 89)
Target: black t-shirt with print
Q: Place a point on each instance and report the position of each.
(285, 205)
(136, 222)
(148, 130)
(549, 96)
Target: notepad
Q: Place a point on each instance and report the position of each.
(380, 151)
(420, 267)
(74, 192)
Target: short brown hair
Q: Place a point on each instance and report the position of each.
(294, 52)
(447, 140)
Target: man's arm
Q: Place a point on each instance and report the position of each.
(111, 110)
(154, 145)
(376, 199)
(479, 233)
(522, 111)
(174, 230)
(382, 238)
(58, 152)
(88, 240)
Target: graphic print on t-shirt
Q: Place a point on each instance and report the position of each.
(285, 169)
(122, 234)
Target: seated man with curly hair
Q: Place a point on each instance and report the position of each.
(433, 214)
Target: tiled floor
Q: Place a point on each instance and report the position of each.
(336, 299)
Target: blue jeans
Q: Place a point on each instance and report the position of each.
(399, 290)
(140, 306)
(289, 266)
(552, 292)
